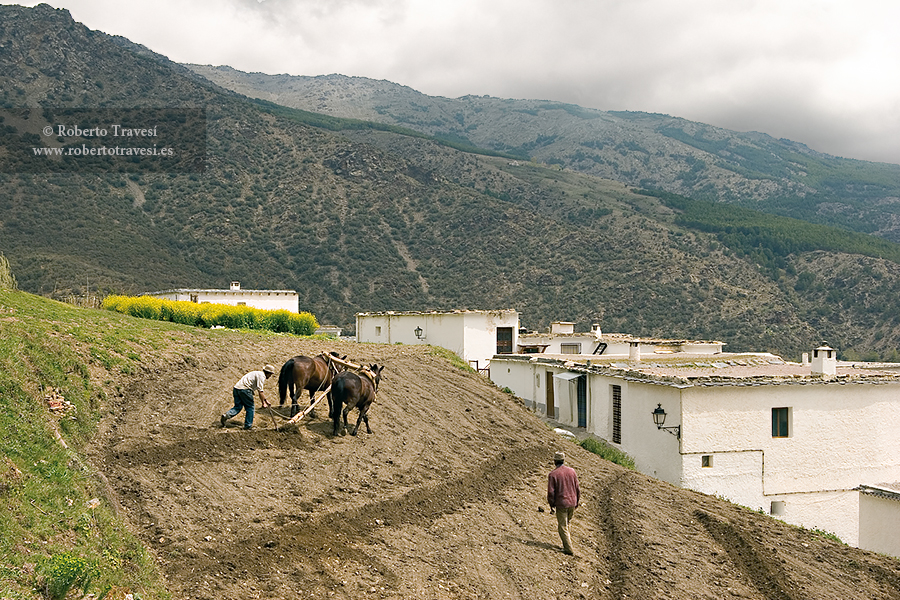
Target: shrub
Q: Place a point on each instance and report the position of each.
(145, 307)
(608, 452)
(62, 572)
(212, 315)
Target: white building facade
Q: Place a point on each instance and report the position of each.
(235, 296)
(797, 441)
(474, 335)
(562, 339)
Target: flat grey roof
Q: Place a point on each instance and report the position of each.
(721, 369)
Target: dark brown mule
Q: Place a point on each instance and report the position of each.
(305, 373)
(351, 390)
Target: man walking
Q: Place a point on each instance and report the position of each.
(243, 395)
(563, 496)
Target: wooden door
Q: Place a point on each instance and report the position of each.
(504, 340)
(582, 401)
(551, 400)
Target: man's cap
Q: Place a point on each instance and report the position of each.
(559, 457)
(268, 369)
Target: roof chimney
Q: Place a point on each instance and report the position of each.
(634, 350)
(824, 362)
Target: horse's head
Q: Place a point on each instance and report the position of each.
(376, 373)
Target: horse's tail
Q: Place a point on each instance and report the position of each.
(285, 378)
(336, 396)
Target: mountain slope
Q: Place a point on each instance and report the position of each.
(362, 219)
(639, 149)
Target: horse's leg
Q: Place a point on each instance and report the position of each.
(356, 427)
(312, 399)
(295, 406)
(294, 392)
(363, 417)
(344, 414)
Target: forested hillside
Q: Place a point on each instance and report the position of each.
(363, 217)
(639, 149)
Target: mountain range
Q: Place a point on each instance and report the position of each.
(365, 195)
(638, 149)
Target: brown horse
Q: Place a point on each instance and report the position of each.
(305, 373)
(354, 391)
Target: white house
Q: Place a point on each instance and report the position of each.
(474, 335)
(235, 296)
(806, 442)
(562, 339)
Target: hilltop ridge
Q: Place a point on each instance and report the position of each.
(638, 149)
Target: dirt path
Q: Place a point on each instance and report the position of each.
(442, 501)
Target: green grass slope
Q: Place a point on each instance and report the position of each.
(56, 524)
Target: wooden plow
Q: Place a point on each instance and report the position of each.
(292, 421)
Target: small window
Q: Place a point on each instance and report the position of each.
(377, 330)
(781, 422)
(777, 508)
(570, 348)
(706, 461)
(242, 304)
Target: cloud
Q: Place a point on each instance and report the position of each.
(822, 72)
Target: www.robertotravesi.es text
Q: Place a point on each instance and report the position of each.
(84, 150)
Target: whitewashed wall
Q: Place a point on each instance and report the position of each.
(519, 376)
(554, 342)
(735, 475)
(472, 335)
(655, 452)
(480, 334)
(879, 525)
(263, 299)
(841, 436)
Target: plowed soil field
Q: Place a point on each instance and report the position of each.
(445, 499)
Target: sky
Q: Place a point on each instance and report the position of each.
(822, 72)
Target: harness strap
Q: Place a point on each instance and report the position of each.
(321, 385)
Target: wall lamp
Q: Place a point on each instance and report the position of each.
(659, 417)
(418, 332)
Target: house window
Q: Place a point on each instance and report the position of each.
(570, 348)
(781, 422)
(706, 461)
(378, 330)
(777, 508)
(617, 414)
(242, 304)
